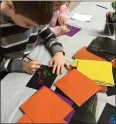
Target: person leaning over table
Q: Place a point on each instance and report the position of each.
(19, 31)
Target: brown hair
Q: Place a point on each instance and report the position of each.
(60, 2)
(39, 11)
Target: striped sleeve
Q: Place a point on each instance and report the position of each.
(10, 65)
(50, 40)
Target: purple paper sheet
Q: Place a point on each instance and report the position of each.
(69, 116)
(73, 30)
(65, 99)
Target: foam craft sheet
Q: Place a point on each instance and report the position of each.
(105, 44)
(69, 116)
(81, 17)
(75, 63)
(46, 107)
(72, 30)
(112, 90)
(84, 54)
(108, 115)
(84, 115)
(91, 75)
(104, 84)
(24, 119)
(99, 71)
(63, 94)
(92, 106)
(77, 87)
(43, 76)
(64, 98)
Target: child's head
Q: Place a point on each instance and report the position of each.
(58, 4)
(31, 13)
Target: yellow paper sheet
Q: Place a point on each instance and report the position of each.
(75, 63)
(103, 84)
(99, 71)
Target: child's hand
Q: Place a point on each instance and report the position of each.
(64, 29)
(58, 62)
(31, 66)
(61, 20)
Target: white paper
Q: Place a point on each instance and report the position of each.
(81, 17)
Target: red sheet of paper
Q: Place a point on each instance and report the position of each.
(77, 87)
(84, 54)
(24, 120)
(46, 107)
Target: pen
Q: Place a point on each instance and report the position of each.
(29, 58)
(102, 6)
(108, 52)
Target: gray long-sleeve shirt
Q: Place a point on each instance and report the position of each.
(16, 42)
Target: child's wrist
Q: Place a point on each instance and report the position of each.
(59, 53)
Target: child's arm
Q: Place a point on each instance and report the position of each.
(56, 49)
(50, 40)
(10, 65)
(13, 65)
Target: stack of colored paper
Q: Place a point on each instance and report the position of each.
(99, 71)
(84, 54)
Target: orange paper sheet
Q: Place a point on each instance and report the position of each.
(24, 120)
(46, 107)
(84, 54)
(77, 87)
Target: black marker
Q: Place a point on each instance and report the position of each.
(102, 6)
(29, 58)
